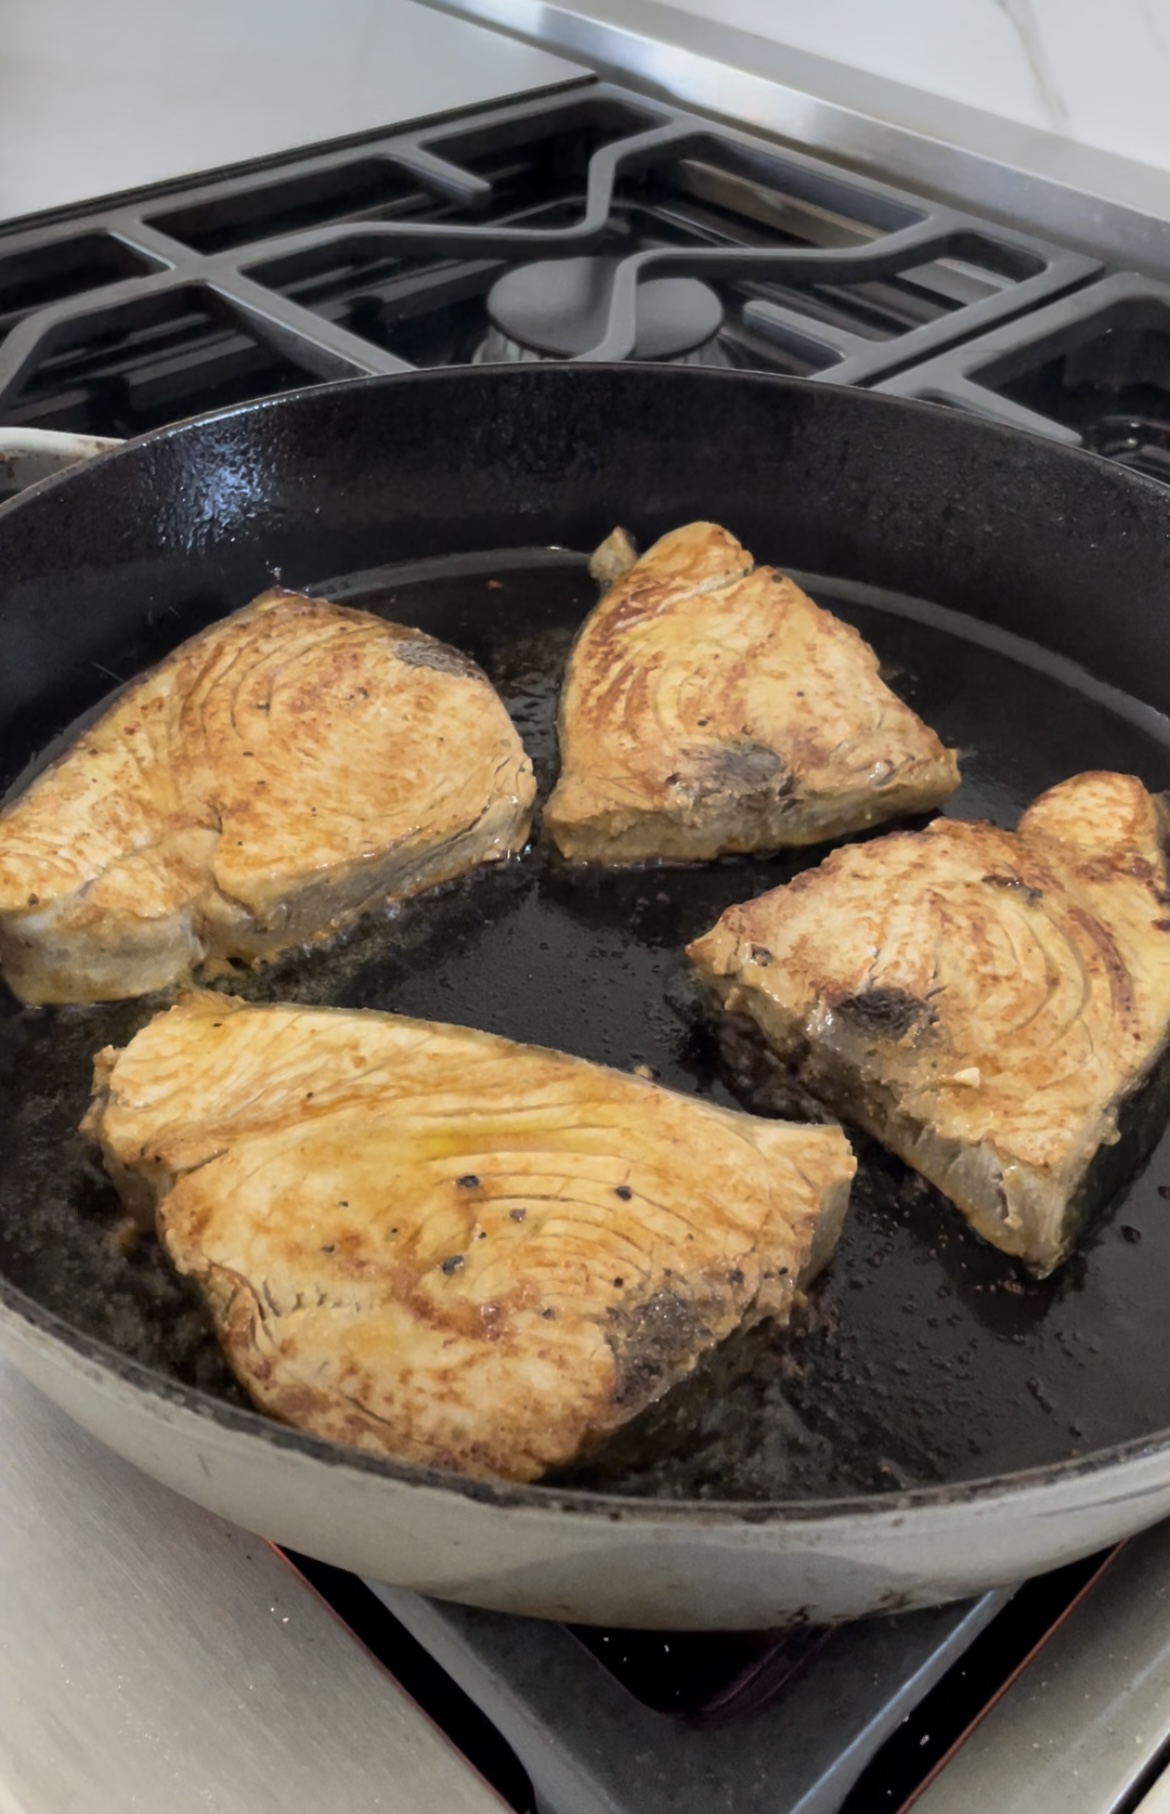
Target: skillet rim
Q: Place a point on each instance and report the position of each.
(612, 1507)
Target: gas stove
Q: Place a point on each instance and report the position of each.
(592, 225)
(599, 222)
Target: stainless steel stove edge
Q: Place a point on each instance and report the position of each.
(153, 1656)
(1087, 1725)
(1092, 200)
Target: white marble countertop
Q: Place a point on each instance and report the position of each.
(96, 99)
(1091, 71)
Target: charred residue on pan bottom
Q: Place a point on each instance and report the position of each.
(923, 1355)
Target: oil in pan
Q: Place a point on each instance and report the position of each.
(923, 1354)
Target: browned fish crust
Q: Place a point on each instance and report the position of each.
(711, 707)
(986, 1002)
(279, 774)
(437, 1245)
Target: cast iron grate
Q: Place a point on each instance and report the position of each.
(691, 1722)
(1092, 369)
(799, 1721)
(381, 257)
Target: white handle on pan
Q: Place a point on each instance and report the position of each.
(29, 454)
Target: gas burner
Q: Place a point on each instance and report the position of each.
(560, 308)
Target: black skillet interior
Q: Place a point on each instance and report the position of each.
(448, 502)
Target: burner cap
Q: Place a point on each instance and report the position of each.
(560, 308)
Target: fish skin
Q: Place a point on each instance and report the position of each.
(985, 1002)
(283, 771)
(437, 1245)
(710, 707)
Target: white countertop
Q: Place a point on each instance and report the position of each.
(96, 99)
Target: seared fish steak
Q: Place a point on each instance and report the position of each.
(440, 1246)
(709, 706)
(279, 774)
(986, 1002)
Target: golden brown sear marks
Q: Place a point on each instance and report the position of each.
(279, 774)
(438, 1245)
(710, 707)
(986, 1002)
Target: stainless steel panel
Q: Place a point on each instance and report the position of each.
(154, 1657)
(1089, 1717)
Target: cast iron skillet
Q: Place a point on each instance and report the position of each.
(936, 1422)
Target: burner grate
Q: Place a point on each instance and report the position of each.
(577, 1720)
(380, 257)
(1092, 368)
(352, 193)
(783, 1722)
(45, 274)
(707, 1678)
